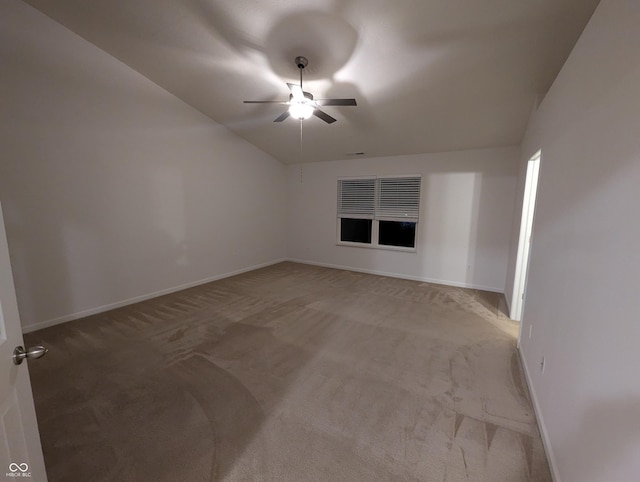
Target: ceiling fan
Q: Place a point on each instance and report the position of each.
(301, 104)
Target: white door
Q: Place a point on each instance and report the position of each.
(20, 450)
(524, 242)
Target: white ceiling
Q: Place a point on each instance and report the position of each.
(428, 75)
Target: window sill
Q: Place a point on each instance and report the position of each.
(383, 247)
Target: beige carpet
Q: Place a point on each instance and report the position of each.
(290, 373)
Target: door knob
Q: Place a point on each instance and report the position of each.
(20, 353)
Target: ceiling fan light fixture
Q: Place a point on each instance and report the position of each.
(301, 104)
(302, 109)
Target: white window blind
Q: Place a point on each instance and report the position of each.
(356, 198)
(398, 198)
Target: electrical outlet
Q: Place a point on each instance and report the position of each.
(530, 328)
(542, 365)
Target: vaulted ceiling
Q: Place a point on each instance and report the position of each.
(428, 75)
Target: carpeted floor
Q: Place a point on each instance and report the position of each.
(290, 373)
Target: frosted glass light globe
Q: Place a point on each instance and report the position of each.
(302, 109)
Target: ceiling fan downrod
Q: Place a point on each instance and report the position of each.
(301, 63)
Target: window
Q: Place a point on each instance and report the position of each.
(379, 212)
(355, 230)
(397, 233)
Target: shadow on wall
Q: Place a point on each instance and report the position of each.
(608, 437)
(464, 215)
(490, 231)
(475, 222)
(35, 271)
(448, 222)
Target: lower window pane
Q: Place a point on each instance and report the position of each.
(397, 233)
(355, 230)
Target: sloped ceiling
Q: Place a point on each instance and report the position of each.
(428, 75)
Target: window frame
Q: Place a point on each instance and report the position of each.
(375, 226)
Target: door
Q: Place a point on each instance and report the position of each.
(20, 451)
(524, 243)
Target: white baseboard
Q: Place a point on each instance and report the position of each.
(400, 275)
(543, 429)
(111, 306)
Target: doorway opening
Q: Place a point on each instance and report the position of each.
(524, 242)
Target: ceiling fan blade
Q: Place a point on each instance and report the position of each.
(284, 102)
(336, 102)
(324, 116)
(296, 91)
(282, 116)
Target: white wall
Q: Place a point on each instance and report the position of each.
(582, 298)
(465, 216)
(111, 187)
